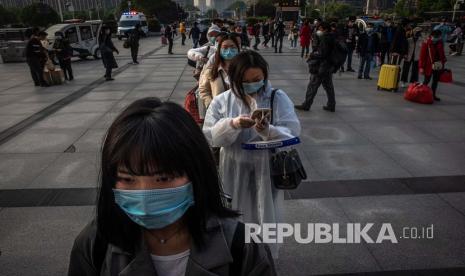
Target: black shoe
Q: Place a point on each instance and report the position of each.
(359, 77)
(342, 70)
(109, 79)
(45, 85)
(350, 70)
(36, 84)
(330, 109)
(301, 107)
(136, 62)
(280, 52)
(71, 79)
(367, 78)
(437, 99)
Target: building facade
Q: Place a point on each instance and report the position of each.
(78, 5)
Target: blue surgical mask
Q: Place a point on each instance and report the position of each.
(155, 208)
(229, 53)
(252, 87)
(213, 40)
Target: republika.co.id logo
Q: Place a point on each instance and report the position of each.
(331, 233)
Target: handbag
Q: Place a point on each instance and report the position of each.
(419, 93)
(446, 76)
(437, 65)
(286, 168)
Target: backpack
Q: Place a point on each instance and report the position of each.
(338, 56)
(191, 105)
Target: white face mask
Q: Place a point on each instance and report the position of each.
(319, 33)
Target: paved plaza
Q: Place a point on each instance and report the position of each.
(377, 159)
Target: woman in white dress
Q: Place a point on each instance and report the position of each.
(228, 124)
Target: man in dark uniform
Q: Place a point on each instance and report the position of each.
(169, 36)
(134, 37)
(36, 56)
(279, 34)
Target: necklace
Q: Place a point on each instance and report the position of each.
(164, 240)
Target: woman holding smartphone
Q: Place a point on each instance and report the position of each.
(228, 124)
(159, 209)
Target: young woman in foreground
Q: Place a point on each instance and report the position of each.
(160, 210)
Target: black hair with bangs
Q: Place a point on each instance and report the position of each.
(148, 137)
(239, 65)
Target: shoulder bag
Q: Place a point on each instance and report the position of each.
(286, 168)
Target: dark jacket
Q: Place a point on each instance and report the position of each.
(134, 37)
(279, 30)
(35, 50)
(63, 50)
(169, 32)
(350, 35)
(387, 36)
(399, 44)
(194, 32)
(363, 44)
(326, 46)
(214, 259)
(106, 49)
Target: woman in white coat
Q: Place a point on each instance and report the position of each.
(228, 124)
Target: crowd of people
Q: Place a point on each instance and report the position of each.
(170, 203)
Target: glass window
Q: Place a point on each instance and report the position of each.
(71, 35)
(95, 29)
(128, 23)
(86, 32)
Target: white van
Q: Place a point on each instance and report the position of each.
(127, 22)
(82, 37)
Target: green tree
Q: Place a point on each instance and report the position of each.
(39, 15)
(262, 8)
(7, 16)
(339, 10)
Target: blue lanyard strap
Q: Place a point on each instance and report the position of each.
(271, 144)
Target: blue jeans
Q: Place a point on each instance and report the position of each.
(365, 64)
(195, 41)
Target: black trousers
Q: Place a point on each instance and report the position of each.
(183, 39)
(350, 52)
(385, 55)
(272, 40)
(170, 45)
(316, 80)
(305, 50)
(37, 70)
(257, 42)
(65, 65)
(267, 39)
(406, 69)
(280, 40)
(435, 76)
(134, 52)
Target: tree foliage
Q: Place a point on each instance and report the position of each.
(7, 16)
(262, 8)
(339, 10)
(39, 15)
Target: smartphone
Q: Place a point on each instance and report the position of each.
(261, 114)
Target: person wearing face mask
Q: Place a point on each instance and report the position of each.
(228, 123)
(214, 78)
(367, 47)
(195, 34)
(159, 215)
(432, 60)
(411, 60)
(444, 29)
(399, 45)
(321, 70)
(106, 49)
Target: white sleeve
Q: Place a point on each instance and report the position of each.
(286, 124)
(196, 54)
(217, 127)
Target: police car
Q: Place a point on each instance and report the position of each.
(128, 21)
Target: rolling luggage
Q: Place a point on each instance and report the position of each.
(54, 77)
(389, 77)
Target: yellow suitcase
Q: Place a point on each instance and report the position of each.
(389, 77)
